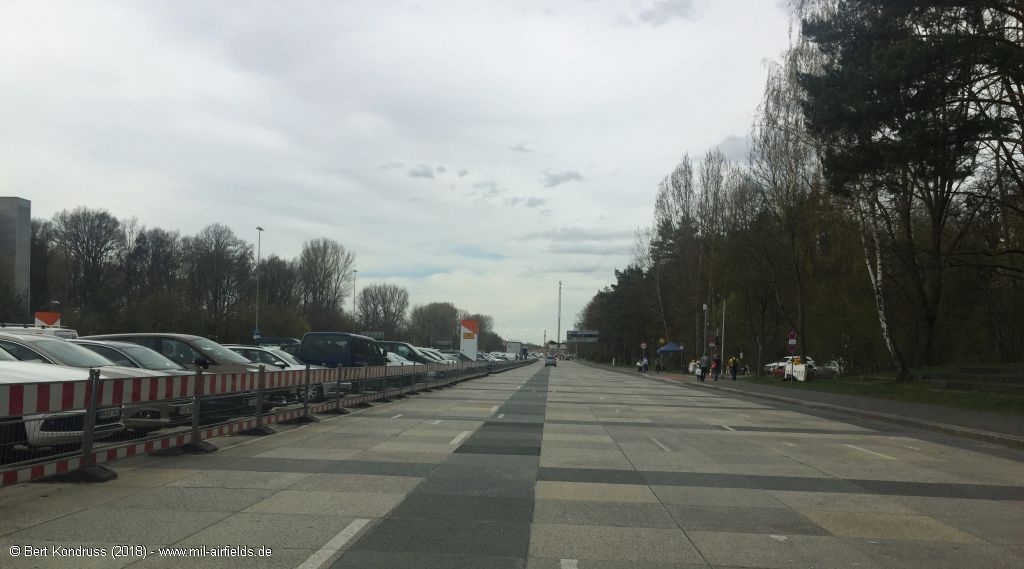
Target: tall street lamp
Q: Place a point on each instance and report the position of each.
(259, 241)
(354, 272)
(723, 328)
(705, 338)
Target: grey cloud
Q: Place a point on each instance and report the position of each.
(441, 169)
(620, 248)
(661, 12)
(390, 166)
(493, 189)
(735, 148)
(578, 234)
(463, 172)
(573, 268)
(524, 201)
(421, 171)
(520, 148)
(552, 179)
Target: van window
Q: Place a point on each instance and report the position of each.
(326, 345)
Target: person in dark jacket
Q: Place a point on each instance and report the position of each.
(716, 368)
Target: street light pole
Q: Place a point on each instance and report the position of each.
(723, 328)
(704, 341)
(354, 273)
(259, 243)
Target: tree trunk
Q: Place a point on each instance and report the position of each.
(876, 273)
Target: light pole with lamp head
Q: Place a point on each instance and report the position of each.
(259, 241)
(354, 273)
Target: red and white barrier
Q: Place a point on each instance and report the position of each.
(25, 399)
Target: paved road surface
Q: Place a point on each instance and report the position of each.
(570, 467)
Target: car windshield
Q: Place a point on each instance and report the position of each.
(70, 354)
(219, 353)
(5, 357)
(288, 358)
(150, 359)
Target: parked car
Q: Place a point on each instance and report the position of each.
(340, 349)
(140, 416)
(56, 331)
(58, 429)
(190, 350)
(127, 354)
(459, 356)
(406, 350)
(282, 360)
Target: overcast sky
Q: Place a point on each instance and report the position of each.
(473, 151)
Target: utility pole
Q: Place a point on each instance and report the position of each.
(354, 273)
(704, 349)
(259, 242)
(723, 328)
(558, 333)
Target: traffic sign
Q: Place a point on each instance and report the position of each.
(792, 348)
(643, 345)
(792, 334)
(792, 341)
(256, 333)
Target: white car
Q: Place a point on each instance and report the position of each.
(49, 429)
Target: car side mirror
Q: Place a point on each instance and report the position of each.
(202, 362)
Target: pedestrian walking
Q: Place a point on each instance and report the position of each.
(703, 364)
(716, 368)
(646, 363)
(734, 366)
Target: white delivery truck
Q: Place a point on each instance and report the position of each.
(514, 348)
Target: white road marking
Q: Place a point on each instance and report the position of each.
(601, 397)
(913, 448)
(435, 422)
(502, 416)
(788, 444)
(728, 428)
(458, 439)
(871, 452)
(660, 445)
(397, 416)
(493, 409)
(778, 537)
(618, 410)
(326, 554)
(569, 564)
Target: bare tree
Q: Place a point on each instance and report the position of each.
(382, 307)
(90, 239)
(217, 271)
(325, 270)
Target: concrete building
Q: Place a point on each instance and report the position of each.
(15, 238)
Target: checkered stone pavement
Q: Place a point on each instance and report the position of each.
(555, 468)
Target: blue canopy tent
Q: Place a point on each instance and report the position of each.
(671, 348)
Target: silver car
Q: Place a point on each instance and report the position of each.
(51, 350)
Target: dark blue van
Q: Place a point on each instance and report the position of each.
(340, 349)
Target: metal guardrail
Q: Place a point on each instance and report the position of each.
(71, 428)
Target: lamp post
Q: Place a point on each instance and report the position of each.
(354, 273)
(259, 243)
(704, 348)
(723, 329)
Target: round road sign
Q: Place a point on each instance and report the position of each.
(643, 345)
(792, 334)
